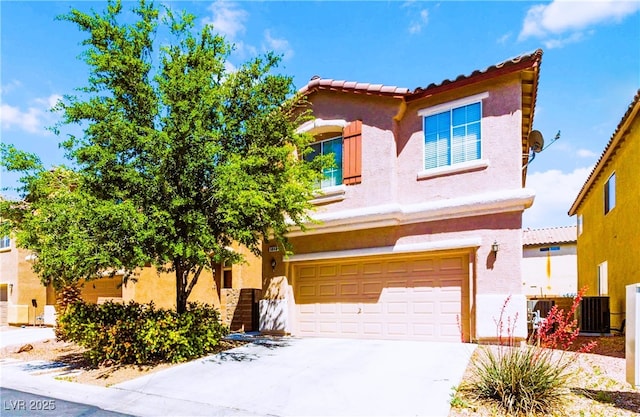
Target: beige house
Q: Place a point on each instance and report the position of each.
(549, 262)
(234, 289)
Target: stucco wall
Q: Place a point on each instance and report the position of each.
(614, 237)
(550, 273)
(26, 286)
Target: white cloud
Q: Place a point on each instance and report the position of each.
(278, 45)
(555, 192)
(422, 20)
(10, 86)
(29, 120)
(552, 20)
(33, 120)
(586, 153)
(504, 38)
(227, 18)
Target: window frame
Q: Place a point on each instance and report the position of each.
(610, 193)
(339, 161)
(603, 278)
(5, 242)
(470, 165)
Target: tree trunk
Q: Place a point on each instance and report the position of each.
(181, 287)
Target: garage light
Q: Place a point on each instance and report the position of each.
(495, 247)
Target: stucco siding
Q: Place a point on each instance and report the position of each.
(550, 273)
(614, 237)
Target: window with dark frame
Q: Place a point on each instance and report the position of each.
(610, 194)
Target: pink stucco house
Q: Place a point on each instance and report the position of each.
(419, 232)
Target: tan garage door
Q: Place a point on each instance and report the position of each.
(411, 297)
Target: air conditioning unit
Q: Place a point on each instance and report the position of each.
(594, 315)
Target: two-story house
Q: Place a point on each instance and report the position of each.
(419, 224)
(607, 209)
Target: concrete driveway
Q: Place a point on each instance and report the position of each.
(10, 335)
(328, 377)
(277, 377)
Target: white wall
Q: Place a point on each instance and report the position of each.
(550, 273)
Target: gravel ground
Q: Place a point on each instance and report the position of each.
(598, 385)
(82, 371)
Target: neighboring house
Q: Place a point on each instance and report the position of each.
(22, 296)
(549, 262)
(235, 290)
(419, 232)
(607, 209)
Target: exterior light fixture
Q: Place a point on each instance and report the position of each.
(10, 288)
(495, 247)
(273, 264)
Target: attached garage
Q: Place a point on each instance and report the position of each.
(409, 297)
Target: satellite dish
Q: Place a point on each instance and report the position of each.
(536, 141)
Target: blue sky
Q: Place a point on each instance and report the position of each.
(589, 75)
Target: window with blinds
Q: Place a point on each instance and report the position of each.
(452, 136)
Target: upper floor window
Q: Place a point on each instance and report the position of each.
(610, 194)
(580, 224)
(452, 132)
(5, 242)
(341, 139)
(333, 146)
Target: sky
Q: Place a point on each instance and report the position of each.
(589, 75)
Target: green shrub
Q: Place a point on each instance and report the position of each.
(139, 333)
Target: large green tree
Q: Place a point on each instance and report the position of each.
(204, 157)
(71, 234)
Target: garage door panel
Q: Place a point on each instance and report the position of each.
(349, 288)
(425, 265)
(348, 270)
(406, 297)
(328, 290)
(328, 271)
(449, 264)
(397, 307)
(398, 329)
(371, 308)
(423, 330)
(397, 267)
(423, 307)
(349, 328)
(372, 288)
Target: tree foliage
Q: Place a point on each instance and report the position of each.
(179, 158)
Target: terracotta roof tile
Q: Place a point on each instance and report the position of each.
(509, 64)
(567, 234)
(353, 87)
(513, 64)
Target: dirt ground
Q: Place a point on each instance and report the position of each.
(80, 370)
(598, 386)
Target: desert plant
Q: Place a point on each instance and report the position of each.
(526, 379)
(559, 330)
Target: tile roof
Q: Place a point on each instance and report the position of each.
(510, 65)
(317, 83)
(567, 234)
(609, 151)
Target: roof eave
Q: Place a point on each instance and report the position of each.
(618, 135)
